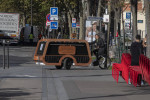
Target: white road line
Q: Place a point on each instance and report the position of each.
(25, 76)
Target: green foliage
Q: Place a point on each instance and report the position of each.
(117, 4)
(40, 8)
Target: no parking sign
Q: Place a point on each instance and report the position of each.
(48, 17)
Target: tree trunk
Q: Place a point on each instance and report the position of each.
(99, 8)
(82, 20)
(134, 18)
(81, 27)
(117, 20)
(70, 26)
(147, 12)
(108, 33)
(66, 24)
(123, 30)
(88, 7)
(99, 15)
(24, 20)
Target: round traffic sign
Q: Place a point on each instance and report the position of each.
(48, 17)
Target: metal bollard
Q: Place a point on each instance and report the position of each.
(4, 54)
(8, 54)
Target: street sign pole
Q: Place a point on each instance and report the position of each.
(54, 3)
(54, 26)
(48, 19)
(106, 21)
(54, 17)
(54, 31)
(54, 20)
(130, 29)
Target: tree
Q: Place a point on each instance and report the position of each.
(23, 7)
(116, 7)
(40, 8)
(134, 19)
(70, 9)
(82, 19)
(99, 8)
(147, 13)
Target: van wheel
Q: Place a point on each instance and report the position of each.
(67, 63)
(59, 67)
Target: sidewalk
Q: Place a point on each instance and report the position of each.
(79, 83)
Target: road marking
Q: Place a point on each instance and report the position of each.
(25, 76)
(39, 63)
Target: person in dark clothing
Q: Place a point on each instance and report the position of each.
(136, 50)
(40, 36)
(99, 46)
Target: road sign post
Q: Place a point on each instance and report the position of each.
(106, 18)
(54, 25)
(54, 17)
(48, 17)
(128, 15)
(73, 20)
(54, 13)
(74, 25)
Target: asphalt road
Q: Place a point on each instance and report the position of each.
(25, 80)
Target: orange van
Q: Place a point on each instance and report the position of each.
(63, 53)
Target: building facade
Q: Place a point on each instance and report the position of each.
(127, 17)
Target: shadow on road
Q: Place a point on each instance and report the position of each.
(8, 93)
(132, 91)
(15, 61)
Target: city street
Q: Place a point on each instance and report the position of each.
(71, 33)
(25, 80)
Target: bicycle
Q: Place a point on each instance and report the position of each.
(101, 61)
(104, 62)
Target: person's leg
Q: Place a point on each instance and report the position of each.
(100, 52)
(95, 51)
(144, 51)
(110, 42)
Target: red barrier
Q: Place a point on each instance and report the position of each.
(122, 68)
(136, 73)
(142, 70)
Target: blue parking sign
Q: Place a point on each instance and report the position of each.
(128, 15)
(54, 11)
(54, 25)
(74, 25)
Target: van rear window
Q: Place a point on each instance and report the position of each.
(41, 48)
